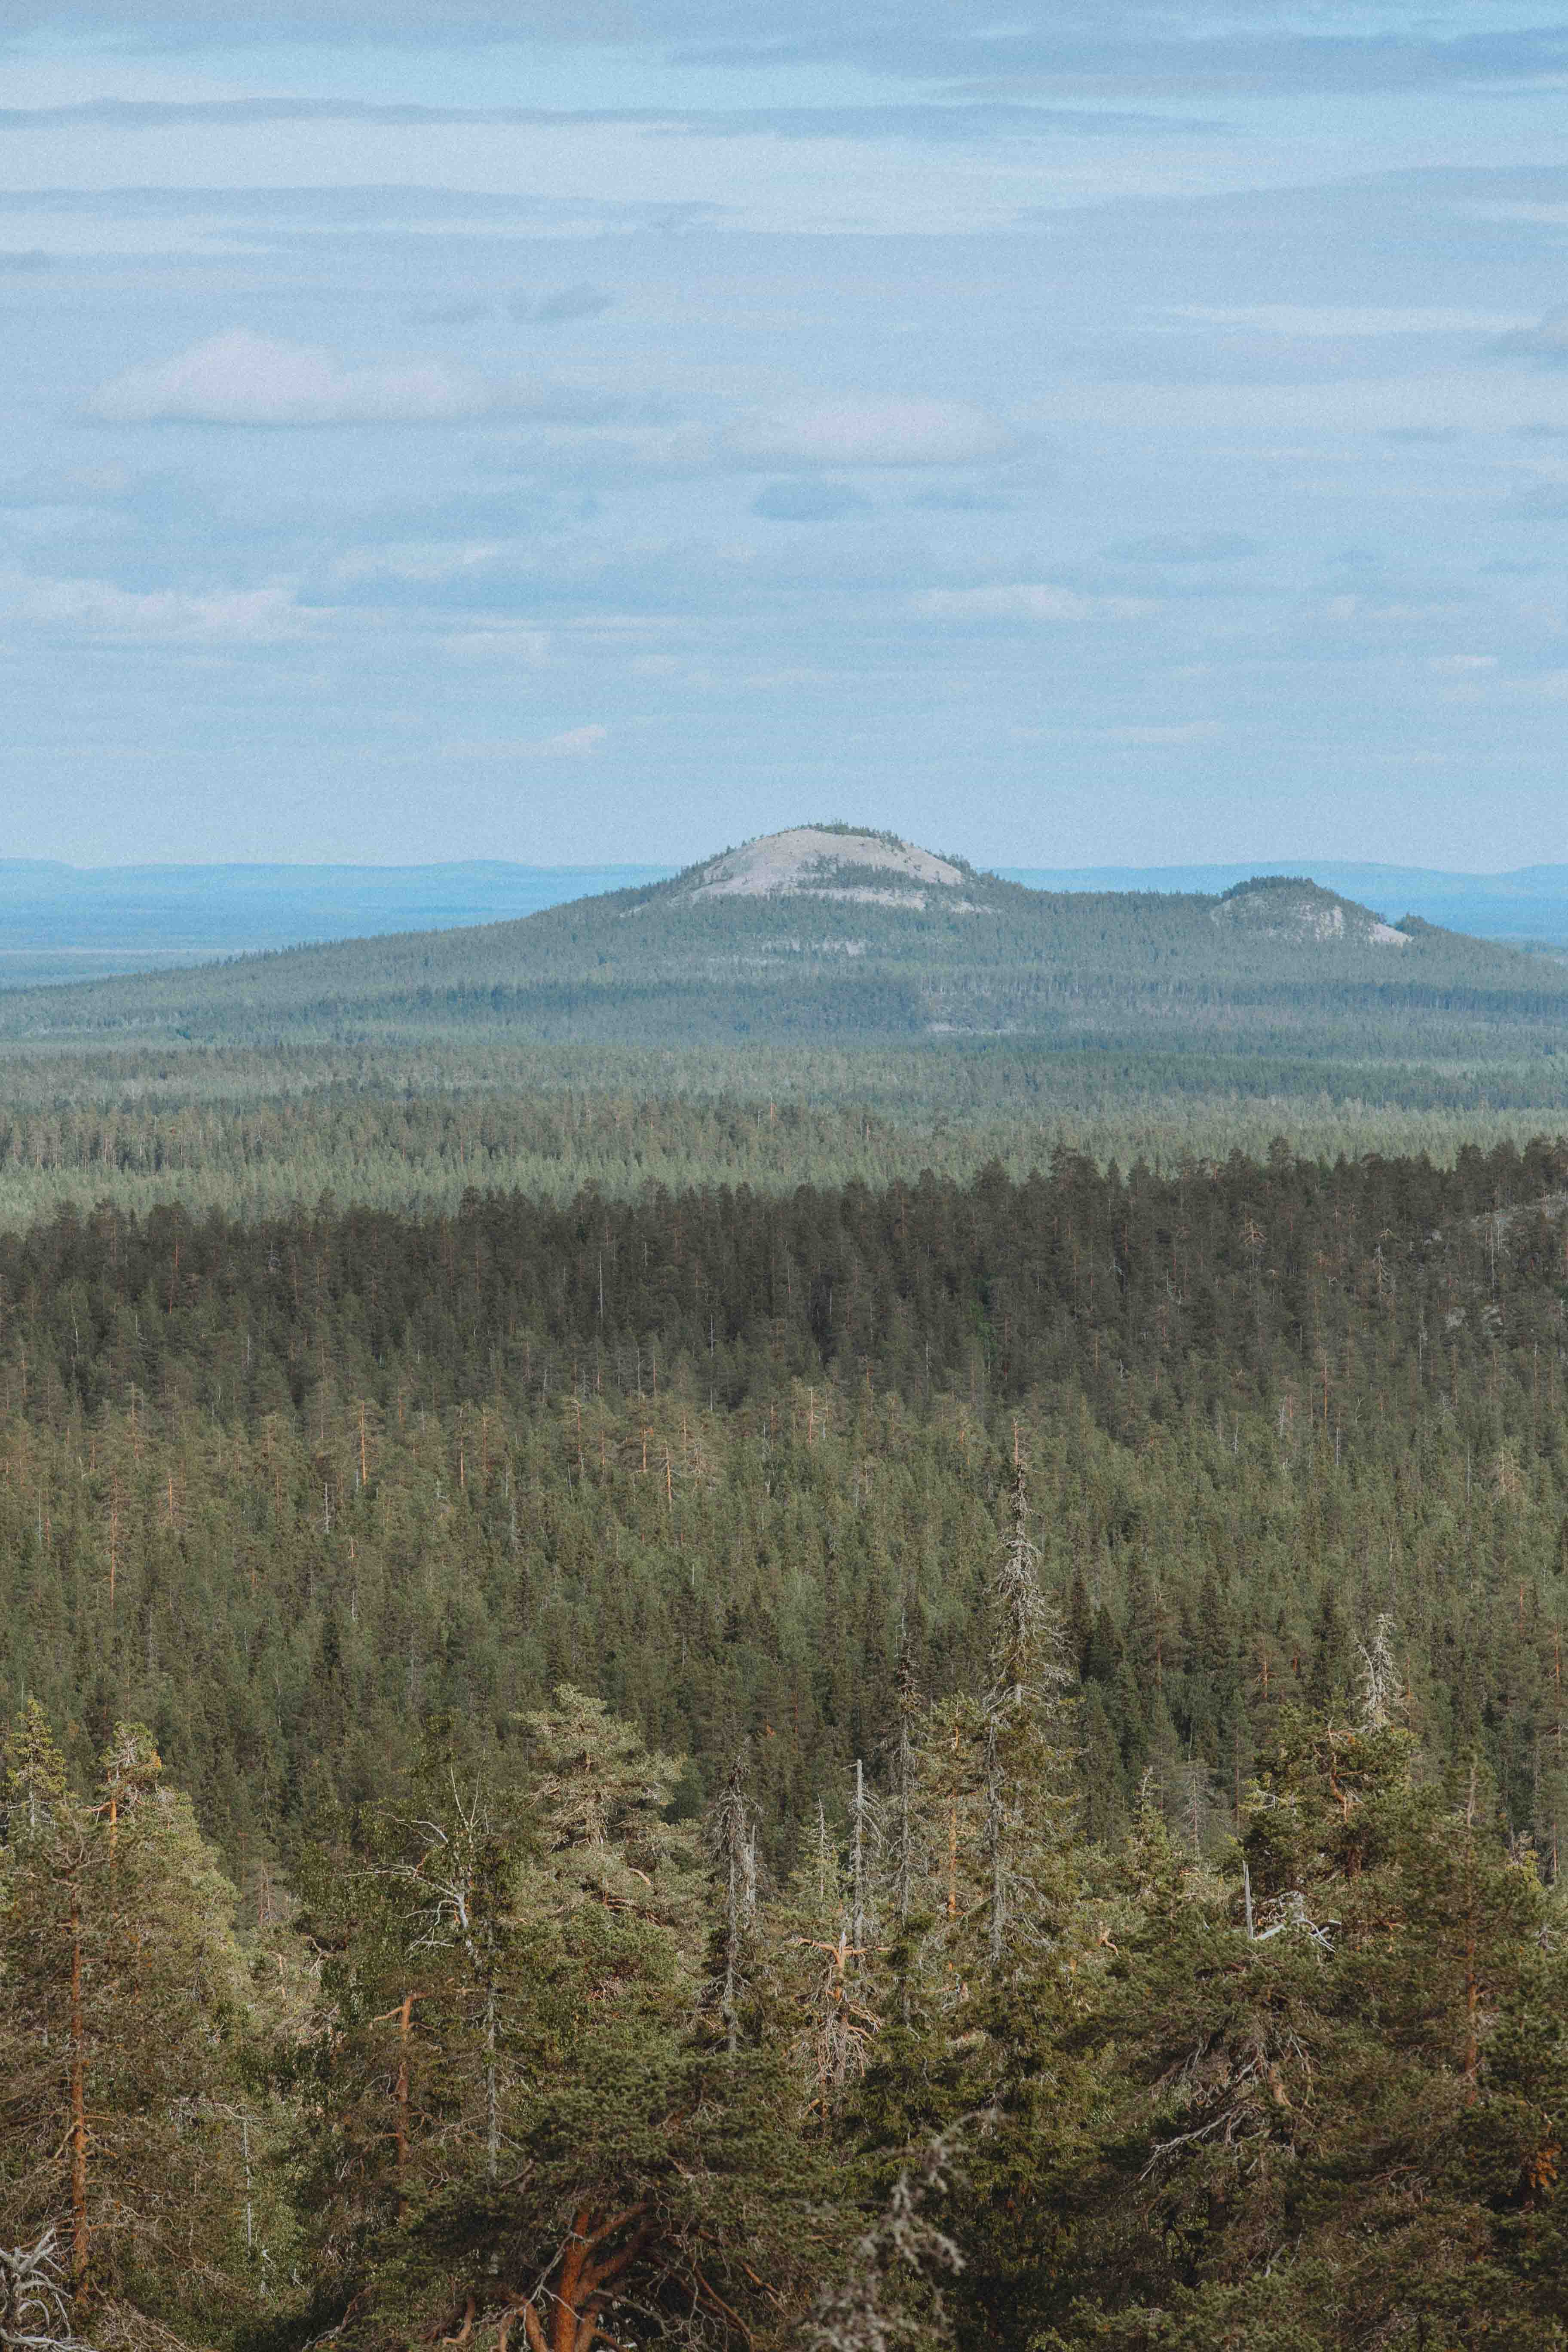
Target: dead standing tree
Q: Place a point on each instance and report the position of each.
(894, 2294)
(733, 1843)
(1022, 1757)
(460, 1886)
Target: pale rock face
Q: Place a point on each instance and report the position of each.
(1304, 913)
(808, 862)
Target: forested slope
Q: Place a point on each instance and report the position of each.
(645, 1708)
(969, 1764)
(852, 1008)
(848, 950)
(273, 1486)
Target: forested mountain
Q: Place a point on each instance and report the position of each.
(819, 1005)
(1528, 903)
(645, 1708)
(826, 933)
(973, 1763)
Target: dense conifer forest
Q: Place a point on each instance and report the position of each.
(967, 1759)
(820, 1006)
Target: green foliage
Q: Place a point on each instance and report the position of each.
(283, 1491)
(124, 2018)
(535, 2130)
(650, 1036)
(1318, 2128)
(982, 1757)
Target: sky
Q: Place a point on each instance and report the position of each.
(1078, 433)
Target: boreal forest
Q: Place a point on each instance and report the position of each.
(798, 1011)
(825, 1754)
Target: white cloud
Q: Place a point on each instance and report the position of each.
(1189, 730)
(1461, 665)
(97, 609)
(245, 379)
(573, 743)
(871, 433)
(1026, 601)
(1332, 321)
(530, 648)
(431, 565)
(576, 743)
(240, 378)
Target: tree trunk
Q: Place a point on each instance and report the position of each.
(404, 2015)
(492, 2108)
(857, 1862)
(995, 1840)
(590, 2265)
(78, 2104)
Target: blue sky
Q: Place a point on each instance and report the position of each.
(1071, 435)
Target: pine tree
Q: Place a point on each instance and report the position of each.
(586, 2154)
(124, 2018)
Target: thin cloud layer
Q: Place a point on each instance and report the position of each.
(1026, 601)
(240, 378)
(100, 610)
(808, 501)
(1195, 547)
(1546, 343)
(872, 432)
(1115, 420)
(559, 308)
(570, 743)
(1127, 44)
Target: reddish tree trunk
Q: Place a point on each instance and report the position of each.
(79, 2104)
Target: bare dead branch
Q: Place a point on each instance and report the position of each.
(34, 2313)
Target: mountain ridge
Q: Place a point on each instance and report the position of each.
(419, 1065)
(59, 921)
(841, 931)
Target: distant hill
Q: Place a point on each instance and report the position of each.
(1288, 908)
(833, 935)
(823, 1001)
(61, 922)
(1527, 904)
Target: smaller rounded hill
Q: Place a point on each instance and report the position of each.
(1289, 906)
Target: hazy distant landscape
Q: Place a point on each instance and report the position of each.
(61, 922)
(835, 1018)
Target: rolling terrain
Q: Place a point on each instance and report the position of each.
(821, 932)
(892, 1009)
(63, 923)
(595, 1683)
